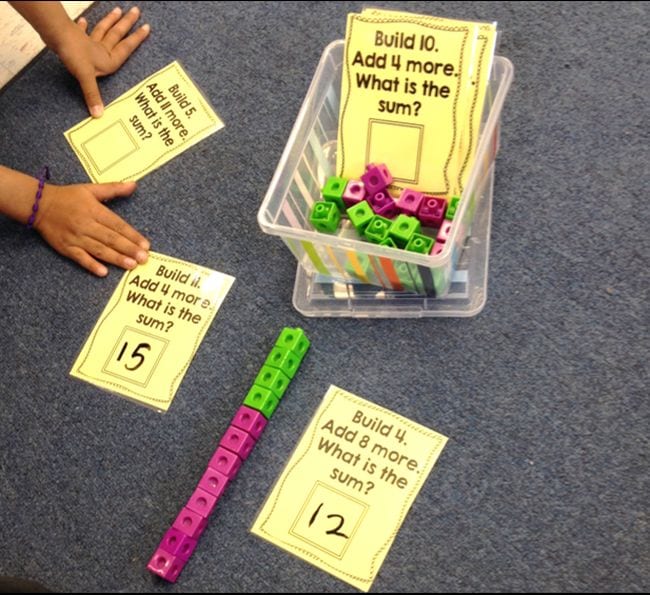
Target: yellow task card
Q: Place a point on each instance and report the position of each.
(479, 75)
(147, 126)
(406, 98)
(146, 337)
(346, 489)
(476, 63)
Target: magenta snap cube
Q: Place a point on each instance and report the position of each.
(249, 420)
(409, 202)
(444, 231)
(432, 211)
(178, 544)
(202, 502)
(225, 462)
(354, 192)
(376, 178)
(383, 204)
(238, 441)
(438, 247)
(191, 523)
(213, 482)
(389, 210)
(166, 566)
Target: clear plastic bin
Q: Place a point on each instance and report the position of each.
(309, 159)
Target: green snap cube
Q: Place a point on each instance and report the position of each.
(420, 243)
(284, 359)
(261, 399)
(325, 216)
(333, 191)
(402, 228)
(294, 339)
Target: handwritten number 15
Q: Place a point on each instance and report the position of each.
(135, 354)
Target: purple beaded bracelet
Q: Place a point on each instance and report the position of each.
(42, 176)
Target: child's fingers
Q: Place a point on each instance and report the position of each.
(112, 221)
(82, 258)
(121, 28)
(91, 94)
(82, 23)
(121, 52)
(105, 24)
(138, 244)
(123, 239)
(110, 190)
(96, 249)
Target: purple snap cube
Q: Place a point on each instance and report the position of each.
(376, 178)
(444, 231)
(178, 544)
(383, 204)
(238, 441)
(432, 211)
(225, 461)
(213, 482)
(438, 247)
(191, 523)
(249, 420)
(354, 192)
(409, 202)
(166, 566)
(202, 502)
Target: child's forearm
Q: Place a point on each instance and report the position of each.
(17, 194)
(48, 18)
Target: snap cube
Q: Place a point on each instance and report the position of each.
(409, 202)
(451, 208)
(420, 243)
(432, 211)
(225, 461)
(402, 228)
(294, 339)
(377, 229)
(202, 502)
(376, 178)
(284, 359)
(360, 215)
(165, 565)
(333, 191)
(191, 523)
(262, 399)
(444, 232)
(388, 241)
(383, 204)
(325, 216)
(176, 543)
(238, 441)
(214, 482)
(354, 193)
(274, 379)
(249, 420)
(438, 247)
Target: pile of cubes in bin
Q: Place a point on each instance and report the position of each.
(381, 219)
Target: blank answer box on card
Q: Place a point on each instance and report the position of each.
(109, 146)
(385, 133)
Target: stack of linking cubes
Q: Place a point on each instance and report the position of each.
(379, 218)
(245, 428)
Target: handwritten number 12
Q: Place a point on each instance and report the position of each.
(335, 530)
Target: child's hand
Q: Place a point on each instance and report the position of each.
(73, 220)
(102, 52)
